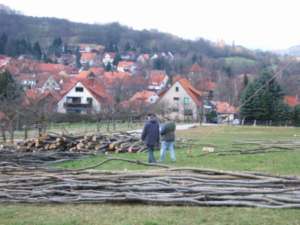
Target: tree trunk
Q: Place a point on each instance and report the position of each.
(25, 132)
(3, 134)
(11, 132)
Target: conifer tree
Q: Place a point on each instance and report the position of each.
(266, 104)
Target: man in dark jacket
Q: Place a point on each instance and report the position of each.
(150, 136)
(167, 132)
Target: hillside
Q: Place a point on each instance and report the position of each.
(113, 36)
(292, 51)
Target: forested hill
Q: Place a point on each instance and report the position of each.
(114, 36)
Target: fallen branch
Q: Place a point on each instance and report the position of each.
(138, 162)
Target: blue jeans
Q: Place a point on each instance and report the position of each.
(151, 158)
(167, 145)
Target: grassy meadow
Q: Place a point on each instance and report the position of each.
(219, 137)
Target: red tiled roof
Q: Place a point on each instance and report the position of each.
(156, 77)
(97, 70)
(195, 68)
(83, 74)
(49, 98)
(125, 64)
(205, 84)
(110, 77)
(32, 94)
(53, 68)
(16, 66)
(88, 56)
(292, 101)
(93, 85)
(4, 60)
(142, 96)
(225, 107)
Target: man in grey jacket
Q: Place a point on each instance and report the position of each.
(167, 132)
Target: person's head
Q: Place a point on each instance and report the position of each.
(165, 119)
(151, 116)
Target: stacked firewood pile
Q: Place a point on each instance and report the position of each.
(118, 142)
(171, 186)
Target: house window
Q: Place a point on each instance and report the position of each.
(186, 100)
(176, 89)
(174, 109)
(69, 99)
(89, 101)
(176, 99)
(74, 100)
(79, 89)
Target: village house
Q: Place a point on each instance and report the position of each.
(42, 81)
(83, 95)
(182, 101)
(195, 69)
(4, 60)
(27, 81)
(143, 58)
(83, 47)
(147, 97)
(225, 112)
(108, 58)
(126, 66)
(129, 56)
(292, 101)
(90, 59)
(67, 59)
(158, 80)
(42, 101)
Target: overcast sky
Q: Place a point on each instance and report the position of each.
(264, 24)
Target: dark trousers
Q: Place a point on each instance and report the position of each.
(151, 158)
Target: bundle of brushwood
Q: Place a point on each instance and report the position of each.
(117, 142)
(259, 146)
(170, 186)
(37, 159)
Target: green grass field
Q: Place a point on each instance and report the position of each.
(221, 138)
(239, 61)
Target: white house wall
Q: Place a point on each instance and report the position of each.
(83, 95)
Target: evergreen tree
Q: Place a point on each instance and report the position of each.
(108, 67)
(8, 87)
(37, 52)
(127, 47)
(245, 80)
(296, 116)
(117, 59)
(57, 47)
(265, 105)
(78, 57)
(194, 59)
(3, 42)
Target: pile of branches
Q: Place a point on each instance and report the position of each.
(118, 142)
(259, 146)
(171, 186)
(39, 158)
